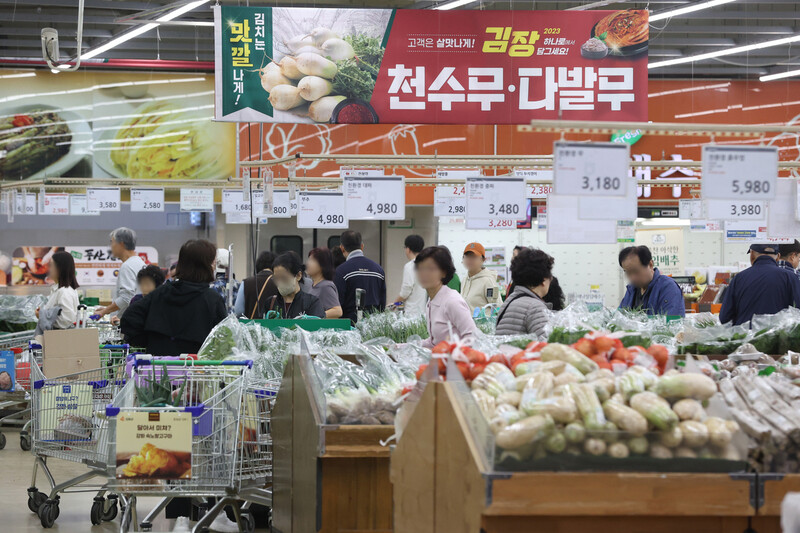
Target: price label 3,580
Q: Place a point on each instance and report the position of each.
(102, 199)
(739, 173)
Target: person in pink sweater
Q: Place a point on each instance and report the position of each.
(447, 313)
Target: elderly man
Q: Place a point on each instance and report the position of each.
(123, 247)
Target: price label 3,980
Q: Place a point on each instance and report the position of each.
(739, 173)
(735, 210)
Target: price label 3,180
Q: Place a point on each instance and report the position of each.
(144, 200)
(375, 198)
(496, 197)
(590, 169)
(321, 209)
(735, 210)
(102, 199)
(739, 173)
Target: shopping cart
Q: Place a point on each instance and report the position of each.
(17, 401)
(213, 395)
(66, 425)
(107, 332)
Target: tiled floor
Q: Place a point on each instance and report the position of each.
(15, 472)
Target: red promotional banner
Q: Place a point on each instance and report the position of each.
(509, 67)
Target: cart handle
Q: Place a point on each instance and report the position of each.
(189, 363)
(114, 346)
(194, 410)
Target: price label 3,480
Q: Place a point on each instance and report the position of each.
(496, 197)
(739, 173)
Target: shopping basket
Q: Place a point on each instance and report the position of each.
(17, 398)
(66, 425)
(210, 395)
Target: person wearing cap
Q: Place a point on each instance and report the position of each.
(789, 257)
(480, 286)
(763, 289)
(649, 290)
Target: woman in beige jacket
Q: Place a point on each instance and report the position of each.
(480, 286)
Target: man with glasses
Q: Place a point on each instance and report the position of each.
(649, 290)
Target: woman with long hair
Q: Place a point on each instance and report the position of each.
(320, 269)
(61, 309)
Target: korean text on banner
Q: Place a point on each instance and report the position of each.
(429, 66)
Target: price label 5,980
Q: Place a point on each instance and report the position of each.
(739, 173)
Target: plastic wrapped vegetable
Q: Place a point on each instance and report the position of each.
(626, 418)
(695, 434)
(618, 450)
(561, 408)
(504, 415)
(629, 384)
(671, 438)
(502, 374)
(604, 388)
(688, 409)
(562, 352)
(575, 433)
(221, 342)
(526, 367)
(527, 430)
(555, 442)
(638, 445)
(485, 402)
(719, 432)
(489, 384)
(659, 451)
(594, 446)
(540, 386)
(588, 406)
(655, 409)
(646, 375)
(696, 386)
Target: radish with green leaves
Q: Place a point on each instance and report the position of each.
(289, 68)
(321, 34)
(314, 65)
(313, 88)
(321, 110)
(337, 49)
(283, 97)
(271, 77)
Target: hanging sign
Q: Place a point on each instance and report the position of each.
(103, 199)
(55, 203)
(197, 200)
(321, 209)
(691, 209)
(490, 223)
(539, 190)
(736, 209)
(281, 205)
(739, 173)
(26, 204)
(145, 200)
(78, 206)
(375, 198)
(496, 198)
(451, 200)
(430, 66)
(590, 169)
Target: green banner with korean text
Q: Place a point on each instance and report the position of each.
(244, 47)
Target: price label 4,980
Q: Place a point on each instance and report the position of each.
(739, 173)
(375, 198)
(321, 209)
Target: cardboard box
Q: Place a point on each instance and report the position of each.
(68, 351)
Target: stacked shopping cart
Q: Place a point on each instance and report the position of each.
(15, 394)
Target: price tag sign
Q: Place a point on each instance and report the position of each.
(735, 210)
(361, 173)
(147, 200)
(691, 209)
(321, 209)
(245, 217)
(103, 199)
(26, 204)
(55, 204)
(490, 223)
(235, 201)
(281, 205)
(496, 198)
(590, 169)
(78, 206)
(540, 190)
(739, 173)
(197, 200)
(450, 201)
(372, 198)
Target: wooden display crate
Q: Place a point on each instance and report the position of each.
(442, 483)
(326, 478)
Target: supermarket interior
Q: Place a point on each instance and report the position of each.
(426, 266)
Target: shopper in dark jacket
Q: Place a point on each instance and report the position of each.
(256, 291)
(358, 272)
(763, 289)
(649, 290)
(292, 301)
(177, 317)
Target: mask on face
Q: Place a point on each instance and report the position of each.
(287, 288)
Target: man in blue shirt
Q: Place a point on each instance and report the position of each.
(359, 272)
(763, 289)
(649, 290)
(789, 257)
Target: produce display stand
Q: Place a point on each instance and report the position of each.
(443, 482)
(275, 324)
(326, 478)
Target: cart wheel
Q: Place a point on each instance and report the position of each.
(248, 523)
(35, 499)
(96, 513)
(48, 513)
(111, 511)
(25, 443)
(2, 441)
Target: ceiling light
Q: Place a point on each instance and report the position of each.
(453, 5)
(699, 6)
(780, 75)
(725, 52)
(136, 32)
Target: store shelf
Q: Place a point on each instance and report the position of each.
(327, 478)
(442, 483)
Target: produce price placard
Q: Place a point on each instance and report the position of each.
(490, 223)
(78, 206)
(238, 201)
(143, 200)
(691, 209)
(26, 204)
(321, 209)
(375, 198)
(429, 66)
(736, 210)
(55, 204)
(103, 199)
(281, 205)
(496, 198)
(538, 190)
(590, 169)
(739, 173)
(451, 200)
(197, 200)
